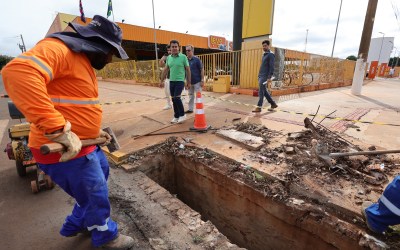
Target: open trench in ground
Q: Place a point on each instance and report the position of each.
(198, 199)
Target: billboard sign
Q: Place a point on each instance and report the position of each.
(257, 18)
(217, 42)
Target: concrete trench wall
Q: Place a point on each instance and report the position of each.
(242, 213)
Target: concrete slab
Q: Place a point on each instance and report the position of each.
(247, 140)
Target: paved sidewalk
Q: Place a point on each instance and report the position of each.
(379, 103)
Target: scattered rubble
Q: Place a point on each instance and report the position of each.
(299, 156)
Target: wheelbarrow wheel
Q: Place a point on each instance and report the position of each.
(49, 182)
(21, 169)
(34, 187)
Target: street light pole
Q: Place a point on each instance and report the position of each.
(383, 38)
(155, 35)
(155, 41)
(393, 47)
(337, 24)
(305, 46)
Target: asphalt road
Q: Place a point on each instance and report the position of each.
(29, 221)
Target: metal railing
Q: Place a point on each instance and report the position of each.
(292, 69)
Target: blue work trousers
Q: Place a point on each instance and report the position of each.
(85, 179)
(176, 88)
(387, 211)
(263, 92)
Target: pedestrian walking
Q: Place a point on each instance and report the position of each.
(197, 76)
(55, 87)
(163, 60)
(264, 77)
(391, 72)
(178, 66)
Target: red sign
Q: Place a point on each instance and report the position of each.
(382, 69)
(372, 69)
(217, 42)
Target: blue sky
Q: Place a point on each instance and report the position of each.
(211, 17)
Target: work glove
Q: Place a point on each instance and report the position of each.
(102, 133)
(69, 139)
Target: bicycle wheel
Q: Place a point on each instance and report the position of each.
(286, 79)
(307, 79)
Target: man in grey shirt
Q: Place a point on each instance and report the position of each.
(264, 76)
(197, 76)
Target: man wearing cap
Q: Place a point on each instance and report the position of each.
(55, 87)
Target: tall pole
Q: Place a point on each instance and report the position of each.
(367, 30)
(237, 24)
(383, 38)
(305, 46)
(359, 71)
(155, 35)
(337, 24)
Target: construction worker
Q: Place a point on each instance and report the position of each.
(55, 87)
(265, 76)
(386, 212)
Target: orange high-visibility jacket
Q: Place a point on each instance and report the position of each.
(51, 84)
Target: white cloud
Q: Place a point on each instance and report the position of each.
(210, 17)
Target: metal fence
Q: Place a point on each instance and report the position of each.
(291, 69)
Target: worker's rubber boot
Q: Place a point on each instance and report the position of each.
(119, 243)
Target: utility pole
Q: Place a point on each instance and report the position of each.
(359, 72)
(367, 30)
(337, 24)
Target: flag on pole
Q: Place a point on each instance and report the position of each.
(109, 8)
(83, 18)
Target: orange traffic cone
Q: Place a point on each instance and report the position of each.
(199, 118)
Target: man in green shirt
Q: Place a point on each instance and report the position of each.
(178, 66)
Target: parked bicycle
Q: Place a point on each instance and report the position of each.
(293, 77)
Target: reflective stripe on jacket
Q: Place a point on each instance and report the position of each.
(50, 84)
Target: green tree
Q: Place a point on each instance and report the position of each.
(393, 61)
(353, 58)
(4, 60)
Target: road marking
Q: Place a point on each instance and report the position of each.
(279, 110)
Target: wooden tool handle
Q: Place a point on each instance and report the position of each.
(377, 152)
(58, 147)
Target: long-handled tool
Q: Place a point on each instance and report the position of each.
(322, 153)
(377, 152)
(57, 147)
